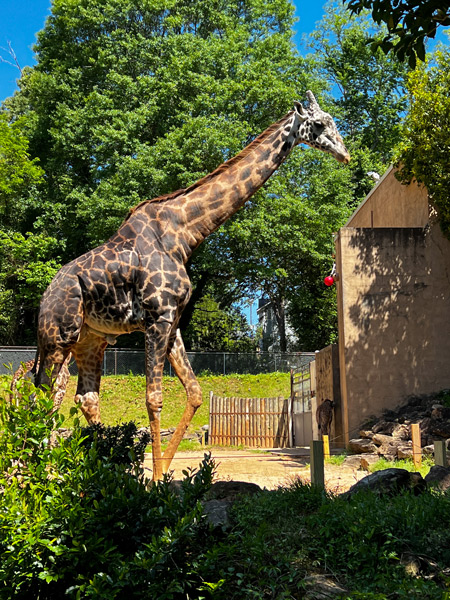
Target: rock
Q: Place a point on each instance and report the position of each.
(353, 461)
(436, 411)
(367, 460)
(367, 435)
(382, 426)
(390, 448)
(411, 564)
(401, 432)
(322, 587)
(390, 482)
(439, 477)
(429, 450)
(439, 428)
(221, 498)
(381, 439)
(440, 412)
(230, 490)
(217, 512)
(360, 446)
(405, 451)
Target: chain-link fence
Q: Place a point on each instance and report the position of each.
(119, 361)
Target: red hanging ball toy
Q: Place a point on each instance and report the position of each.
(329, 280)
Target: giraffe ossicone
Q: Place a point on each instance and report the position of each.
(137, 280)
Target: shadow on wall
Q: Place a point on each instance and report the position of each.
(396, 290)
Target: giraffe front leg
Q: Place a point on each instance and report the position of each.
(156, 343)
(182, 367)
(88, 355)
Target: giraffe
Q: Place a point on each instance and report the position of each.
(27, 370)
(137, 279)
(324, 416)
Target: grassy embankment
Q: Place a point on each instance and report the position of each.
(122, 397)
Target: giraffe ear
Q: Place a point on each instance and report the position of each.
(300, 109)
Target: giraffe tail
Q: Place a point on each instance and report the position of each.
(36, 360)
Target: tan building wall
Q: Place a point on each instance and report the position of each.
(393, 307)
(391, 204)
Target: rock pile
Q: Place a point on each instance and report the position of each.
(390, 435)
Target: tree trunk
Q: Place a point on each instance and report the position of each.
(280, 316)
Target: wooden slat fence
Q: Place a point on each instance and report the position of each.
(253, 422)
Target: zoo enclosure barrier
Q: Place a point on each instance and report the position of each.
(123, 361)
(252, 422)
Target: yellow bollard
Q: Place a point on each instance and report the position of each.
(417, 446)
(326, 446)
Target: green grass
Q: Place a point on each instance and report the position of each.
(122, 397)
(336, 459)
(407, 464)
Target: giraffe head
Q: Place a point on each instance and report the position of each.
(318, 129)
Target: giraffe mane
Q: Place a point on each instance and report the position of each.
(220, 169)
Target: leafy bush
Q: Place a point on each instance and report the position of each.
(363, 540)
(122, 444)
(79, 520)
(76, 522)
(265, 555)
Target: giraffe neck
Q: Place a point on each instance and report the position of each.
(211, 201)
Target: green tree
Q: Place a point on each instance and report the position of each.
(280, 244)
(20, 175)
(212, 328)
(27, 265)
(409, 22)
(27, 262)
(130, 100)
(369, 87)
(424, 152)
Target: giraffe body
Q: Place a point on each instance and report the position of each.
(137, 279)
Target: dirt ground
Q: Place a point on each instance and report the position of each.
(269, 470)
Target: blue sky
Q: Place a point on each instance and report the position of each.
(22, 19)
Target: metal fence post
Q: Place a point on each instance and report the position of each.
(317, 463)
(440, 453)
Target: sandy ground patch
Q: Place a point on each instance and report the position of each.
(269, 470)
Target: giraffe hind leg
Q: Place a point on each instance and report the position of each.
(88, 355)
(182, 367)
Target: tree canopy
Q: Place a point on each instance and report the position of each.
(424, 152)
(27, 262)
(130, 100)
(409, 22)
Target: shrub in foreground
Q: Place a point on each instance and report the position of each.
(76, 522)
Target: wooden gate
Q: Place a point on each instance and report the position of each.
(254, 422)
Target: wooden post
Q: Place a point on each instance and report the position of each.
(417, 446)
(440, 453)
(212, 423)
(317, 465)
(326, 446)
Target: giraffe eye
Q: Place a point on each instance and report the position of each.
(319, 125)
